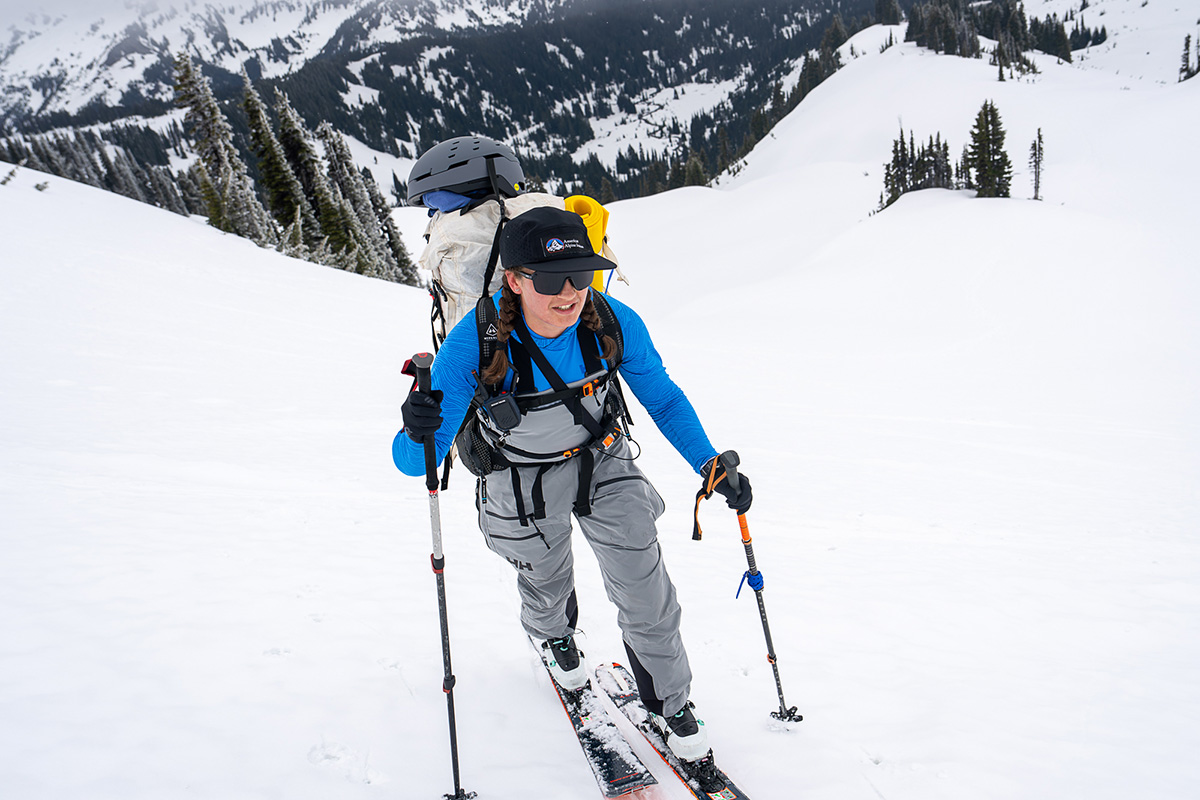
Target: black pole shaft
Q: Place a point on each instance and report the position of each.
(762, 613)
(448, 677)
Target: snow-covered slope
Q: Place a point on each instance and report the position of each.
(1145, 39)
(971, 425)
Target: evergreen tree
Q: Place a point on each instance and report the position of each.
(724, 154)
(1036, 159)
(124, 180)
(913, 168)
(214, 205)
(166, 192)
(345, 177)
(306, 165)
(399, 191)
(291, 242)
(404, 271)
(1186, 70)
(962, 170)
(835, 35)
(238, 209)
(986, 158)
(607, 194)
(693, 171)
(887, 12)
(189, 191)
(285, 197)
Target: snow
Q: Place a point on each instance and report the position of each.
(1145, 37)
(650, 127)
(971, 426)
(382, 166)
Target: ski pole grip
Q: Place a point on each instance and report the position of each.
(729, 460)
(422, 363)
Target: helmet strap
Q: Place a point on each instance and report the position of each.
(495, 181)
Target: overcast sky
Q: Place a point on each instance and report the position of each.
(12, 11)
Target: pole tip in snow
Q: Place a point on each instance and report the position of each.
(790, 715)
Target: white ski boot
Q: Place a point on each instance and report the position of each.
(684, 733)
(565, 661)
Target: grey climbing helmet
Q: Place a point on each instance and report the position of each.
(463, 165)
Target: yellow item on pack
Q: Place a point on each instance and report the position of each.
(595, 217)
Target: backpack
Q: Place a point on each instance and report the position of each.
(462, 251)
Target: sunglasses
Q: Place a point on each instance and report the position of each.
(551, 283)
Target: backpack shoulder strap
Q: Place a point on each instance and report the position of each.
(612, 327)
(487, 324)
(494, 255)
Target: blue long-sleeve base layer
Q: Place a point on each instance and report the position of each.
(641, 368)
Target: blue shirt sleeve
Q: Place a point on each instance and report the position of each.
(642, 368)
(453, 372)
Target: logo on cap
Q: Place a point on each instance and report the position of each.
(554, 245)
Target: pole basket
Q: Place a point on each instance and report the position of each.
(790, 715)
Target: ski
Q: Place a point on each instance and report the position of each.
(618, 770)
(702, 778)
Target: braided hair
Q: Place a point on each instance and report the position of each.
(510, 310)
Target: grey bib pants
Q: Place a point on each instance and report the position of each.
(621, 531)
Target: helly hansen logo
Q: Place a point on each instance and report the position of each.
(521, 565)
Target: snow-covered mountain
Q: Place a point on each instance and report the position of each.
(65, 62)
(117, 61)
(972, 427)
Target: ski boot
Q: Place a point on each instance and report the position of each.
(688, 740)
(565, 661)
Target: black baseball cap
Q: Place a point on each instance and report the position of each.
(552, 240)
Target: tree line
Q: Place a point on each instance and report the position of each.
(1187, 69)
(316, 206)
(984, 165)
(954, 27)
(85, 157)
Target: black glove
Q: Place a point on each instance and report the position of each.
(740, 500)
(422, 414)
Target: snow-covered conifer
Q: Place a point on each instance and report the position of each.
(241, 211)
(283, 192)
(306, 165)
(344, 175)
(405, 270)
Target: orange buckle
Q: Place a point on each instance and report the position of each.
(588, 389)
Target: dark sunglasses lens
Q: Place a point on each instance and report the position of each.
(552, 282)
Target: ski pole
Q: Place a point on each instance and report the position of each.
(421, 364)
(729, 459)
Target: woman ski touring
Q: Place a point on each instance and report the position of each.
(533, 372)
